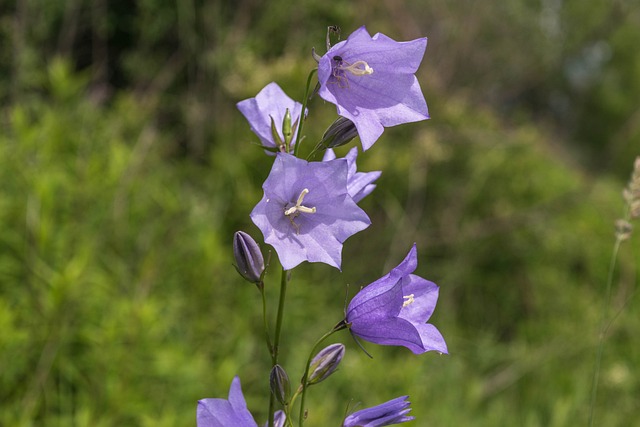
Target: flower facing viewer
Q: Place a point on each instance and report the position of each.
(392, 412)
(232, 412)
(393, 310)
(359, 184)
(271, 103)
(372, 82)
(306, 213)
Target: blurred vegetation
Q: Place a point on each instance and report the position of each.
(126, 168)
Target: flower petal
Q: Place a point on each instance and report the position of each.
(431, 338)
(270, 102)
(391, 331)
(223, 413)
(425, 297)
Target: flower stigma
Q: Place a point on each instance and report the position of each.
(358, 68)
(341, 67)
(294, 211)
(409, 300)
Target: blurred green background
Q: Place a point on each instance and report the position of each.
(125, 168)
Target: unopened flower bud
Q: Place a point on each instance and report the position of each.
(325, 363)
(286, 127)
(339, 133)
(280, 385)
(249, 260)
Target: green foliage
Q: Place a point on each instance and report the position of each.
(118, 301)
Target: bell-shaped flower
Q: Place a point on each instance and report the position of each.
(266, 115)
(393, 310)
(372, 82)
(389, 413)
(231, 412)
(306, 213)
(359, 184)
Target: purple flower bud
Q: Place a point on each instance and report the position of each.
(280, 384)
(392, 412)
(325, 363)
(341, 132)
(249, 260)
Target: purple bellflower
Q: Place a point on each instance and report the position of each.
(393, 310)
(270, 103)
(359, 184)
(232, 412)
(392, 412)
(306, 213)
(372, 82)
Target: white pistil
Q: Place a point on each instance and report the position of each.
(294, 210)
(409, 300)
(358, 68)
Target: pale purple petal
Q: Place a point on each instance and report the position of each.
(389, 96)
(425, 295)
(223, 413)
(270, 102)
(432, 339)
(278, 419)
(359, 184)
(313, 237)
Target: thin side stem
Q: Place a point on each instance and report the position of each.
(276, 339)
(303, 117)
(603, 327)
(264, 321)
(303, 383)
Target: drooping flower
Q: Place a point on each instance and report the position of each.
(359, 184)
(231, 412)
(270, 103)
(393, 310)
(372, 82)
(392, 412)
(306, 213)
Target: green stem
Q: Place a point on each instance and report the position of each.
(303, 383)
(603, 327)
(302, 115)
(275, 350)
(264, 320)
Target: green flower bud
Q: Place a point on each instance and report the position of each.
(280, 385)
(325, 363)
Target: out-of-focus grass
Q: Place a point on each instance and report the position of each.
(119, 304)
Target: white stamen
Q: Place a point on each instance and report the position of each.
(294, 210)
(409, 300)
(358, 68)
